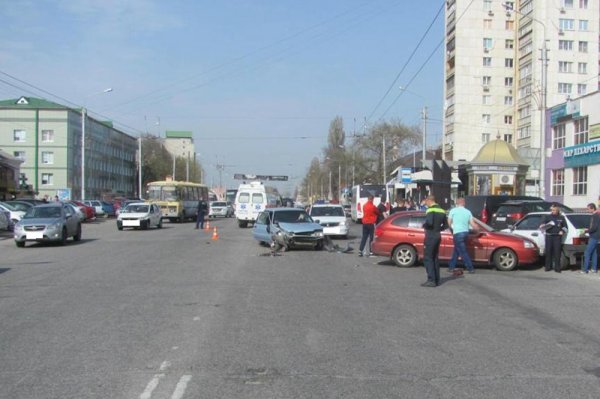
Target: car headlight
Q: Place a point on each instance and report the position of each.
(318, 234)
(528, 244)
(54, 226)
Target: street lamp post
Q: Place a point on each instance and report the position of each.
(83, 118)
(544, 82)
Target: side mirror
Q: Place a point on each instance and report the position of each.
(511, 227)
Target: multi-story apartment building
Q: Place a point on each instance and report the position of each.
(180, 143)
(494, 69)
(46, 136)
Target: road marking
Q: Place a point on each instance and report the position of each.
(164, 365)
(181, 387)
(147, 394)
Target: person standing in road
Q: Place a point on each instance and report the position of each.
(400, 206)
(382, 209)
(200, 213)
(460, 220)
(435, 223)
(555, 226)
(370, 214)
(591, 250)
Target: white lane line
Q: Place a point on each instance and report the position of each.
(147, 394)
(164, 365)
(181, 387)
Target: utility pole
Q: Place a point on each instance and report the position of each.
(424, 154)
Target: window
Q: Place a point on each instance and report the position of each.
(583, 4)
(486, 80)
(19, 136)
(558, 182)
(47, 136)
(508, 82)
(567, 3)
(487, 5)
(566, 24)
(486, 118)
(487, 61)
(583, 47)
(566, 45)
(510, 5)
(47, 179)
(565, 88)
(508, 138)
(525, 111)
(524, 132)
(558, 136)
(487, 43)
(508, 62)
(486, 100)
(565, 66)
(509, 44)
(508, 100)
(582, 68)
(508, 119)
(580, 180)
(581, 89)
(485, 137)
(487, 24)
(581, 130)
(583, 24)
(19, 155)
(509, 25)
(47, 157)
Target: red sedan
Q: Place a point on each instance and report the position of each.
(401, 238)
(88, 211)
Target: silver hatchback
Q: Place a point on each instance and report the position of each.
(52, 222)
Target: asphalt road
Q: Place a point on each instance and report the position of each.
(173, 314)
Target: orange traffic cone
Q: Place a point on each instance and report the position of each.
(215, 235)
(207, 225)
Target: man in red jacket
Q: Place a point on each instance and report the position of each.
(370, 213)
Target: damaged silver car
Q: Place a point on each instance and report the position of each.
(287, 228)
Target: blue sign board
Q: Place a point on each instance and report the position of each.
(582, 154)
(406, 175)
(570, 108)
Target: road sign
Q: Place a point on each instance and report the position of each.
(406, 174)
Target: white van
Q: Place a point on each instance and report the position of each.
(251, 199)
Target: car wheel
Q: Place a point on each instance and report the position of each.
(144, 224)
(404, 256)
(319, 245)
(242, 223)
(77, 236)
(120, 228)
(64, 237)
(505, 259)
(20, 244)
(159, 225)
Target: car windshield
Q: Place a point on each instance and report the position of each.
(292, 216)
(8, 206)
(219, 204)
(43, 212)
(580, 221)
(327, 211)
(136, 209)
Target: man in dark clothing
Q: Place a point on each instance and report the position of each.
(382, 209)
(435, 223)
(591, 250)
(400, 206)
(201, 212)
(555, 226)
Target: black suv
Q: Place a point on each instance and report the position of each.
(484, 206)
(510, 212)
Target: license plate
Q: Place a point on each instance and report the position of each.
(131, 223)
(35, 235)
(501, 219)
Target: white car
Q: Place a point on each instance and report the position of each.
(332, 217)
(574, 242)
(15, 215)
(140, 215)
(97, 205)
(220, 208)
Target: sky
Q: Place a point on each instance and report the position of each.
(257, 81)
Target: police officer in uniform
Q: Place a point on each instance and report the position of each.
(435, 223)
(555, 226)
(201, 212)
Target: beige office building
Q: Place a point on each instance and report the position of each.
(494, 71)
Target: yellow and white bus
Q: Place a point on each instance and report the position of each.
(178, 200)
